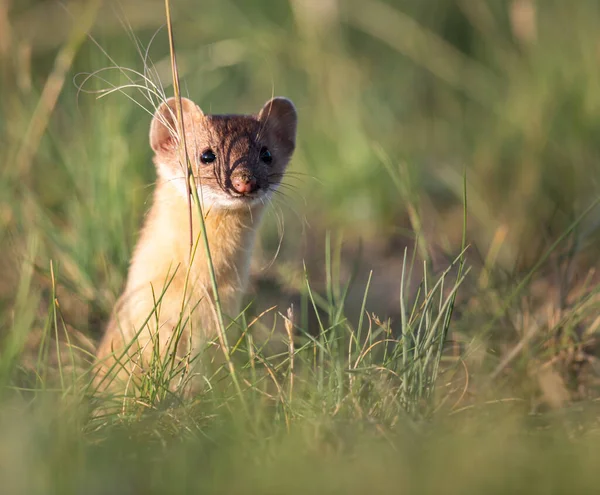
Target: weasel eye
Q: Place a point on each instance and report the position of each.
(208, 156)
(265, 155)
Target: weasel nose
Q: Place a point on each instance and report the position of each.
(244, 184)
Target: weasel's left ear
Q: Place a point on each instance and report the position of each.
(280, 119)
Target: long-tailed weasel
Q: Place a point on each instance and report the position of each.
(237, 162)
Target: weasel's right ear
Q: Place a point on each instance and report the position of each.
(280, 117)
(164, 129)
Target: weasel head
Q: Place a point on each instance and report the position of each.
(237, 160)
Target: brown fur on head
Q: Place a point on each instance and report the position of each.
(237, 160)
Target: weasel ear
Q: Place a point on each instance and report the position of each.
(280, 118)
(164, 128)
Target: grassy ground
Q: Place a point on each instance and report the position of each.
(415, 368)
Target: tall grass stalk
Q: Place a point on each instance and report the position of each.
(193, 193)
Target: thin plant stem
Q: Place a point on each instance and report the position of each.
(193, 192)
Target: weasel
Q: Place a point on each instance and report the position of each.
(237, 163)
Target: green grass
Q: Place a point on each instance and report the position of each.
(418, 366)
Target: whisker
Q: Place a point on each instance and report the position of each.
(283, 195)
(202, 179)
(294, 173)
(291, 193)
(288, 202)
(299, 178)
(290, 187)
(280, 230)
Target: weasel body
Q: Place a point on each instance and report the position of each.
(237, 161)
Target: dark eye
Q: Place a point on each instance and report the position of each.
(265, 155)
(208, 156)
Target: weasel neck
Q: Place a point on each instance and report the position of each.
(164, 244)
